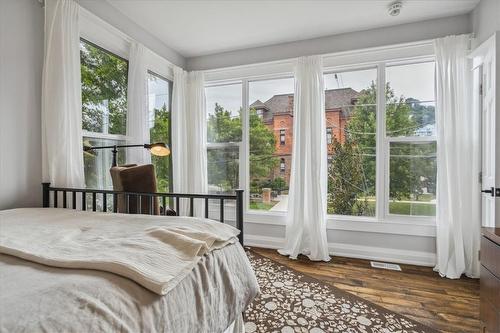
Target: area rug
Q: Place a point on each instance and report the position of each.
(291, 302)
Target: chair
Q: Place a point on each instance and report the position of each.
(135, 178)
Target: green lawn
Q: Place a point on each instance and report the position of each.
(400, 208)
(406, 208)
(261, 206)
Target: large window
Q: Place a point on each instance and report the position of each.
(411, 137)
(351, 127)
(381, 142)
(224, 134)
(270, 144)
(104, 109)
(159, 101)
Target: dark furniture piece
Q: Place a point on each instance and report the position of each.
(135, 178)
(490, 280)
(77, 198)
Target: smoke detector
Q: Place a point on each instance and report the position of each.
(395, 8)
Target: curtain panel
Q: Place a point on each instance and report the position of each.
(62, 158)
(458, 161)
(306, 217)
(137, 111)
(189, 136)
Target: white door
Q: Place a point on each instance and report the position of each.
(486, 77)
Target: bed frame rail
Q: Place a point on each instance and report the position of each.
(96, 194)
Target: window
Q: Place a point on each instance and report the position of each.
(159, 102)
(351, 110)
(329, 136)
(104, 109)
(224, 105)
(411, 137)
(282, 137)
(270, 143)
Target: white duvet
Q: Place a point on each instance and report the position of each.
(154, 252)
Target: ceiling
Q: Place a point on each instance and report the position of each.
(197, 27)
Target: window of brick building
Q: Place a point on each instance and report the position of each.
(282, 137)
(282, 165)
(329, 135)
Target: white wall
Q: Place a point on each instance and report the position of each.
(403, 33)
(21, 55)
(485, 19)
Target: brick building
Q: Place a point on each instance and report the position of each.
(277, 114)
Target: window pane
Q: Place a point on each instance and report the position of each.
(223, 166)
(350, 111)
(159, 125)
(410, 99)
(104, 90)
(223, 113)
(271, 135)
(223, 137)
(98, 162)
(412, 186)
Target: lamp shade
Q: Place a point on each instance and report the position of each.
(158, 149)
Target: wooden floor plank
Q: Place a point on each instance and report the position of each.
(416, 292)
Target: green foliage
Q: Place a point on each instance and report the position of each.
(262, 148)
(160, 132)
(346, 180)
(104, 87)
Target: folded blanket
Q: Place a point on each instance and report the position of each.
(156, 252)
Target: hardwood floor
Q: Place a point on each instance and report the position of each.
(416, 292)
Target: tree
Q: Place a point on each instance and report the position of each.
(104, 90)
(361, 129)
(346, 180)
(262, 148)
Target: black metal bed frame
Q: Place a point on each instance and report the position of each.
(46, 189)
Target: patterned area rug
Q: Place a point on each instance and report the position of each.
(291, 302)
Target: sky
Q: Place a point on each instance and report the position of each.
(415, 80)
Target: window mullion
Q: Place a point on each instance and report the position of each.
(381, 159)
(244, 165)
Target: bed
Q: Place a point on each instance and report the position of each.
(66, 270)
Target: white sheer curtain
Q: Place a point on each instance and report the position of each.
(189, 136)
(458, 196)
(137, 112)
(306, 218)
(62, 157)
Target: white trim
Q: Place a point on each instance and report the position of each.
(105, 136)
(419, 258)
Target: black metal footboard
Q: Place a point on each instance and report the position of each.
(99, 201)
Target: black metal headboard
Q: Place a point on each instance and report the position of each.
(103, 195)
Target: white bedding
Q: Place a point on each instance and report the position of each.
(40, 298)
(155, 252)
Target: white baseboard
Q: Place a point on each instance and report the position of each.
(419, 258)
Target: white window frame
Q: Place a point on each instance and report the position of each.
(379, 58)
